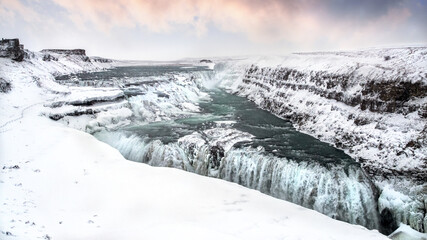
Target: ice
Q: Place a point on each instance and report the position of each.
(404, 232)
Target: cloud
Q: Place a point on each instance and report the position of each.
(9, 9)
(360, 9)
(260, 25)
(264, 21)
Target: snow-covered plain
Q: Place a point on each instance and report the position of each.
(61, 183)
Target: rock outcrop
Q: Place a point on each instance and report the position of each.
(66, 51)
(10, 48)
(5, 86)
(101, 60)
(206, 61)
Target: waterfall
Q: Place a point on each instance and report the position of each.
(342, 192)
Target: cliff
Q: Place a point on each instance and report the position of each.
(10, 48)
(81, 52)
(372, 104)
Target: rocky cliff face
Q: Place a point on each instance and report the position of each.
(66, 51)
(366, 106)
(372, 104)
(373, 108)
(54, 54)
(10, 48)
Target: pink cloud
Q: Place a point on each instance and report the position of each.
(12, 8)
(260, 20)
(306, 24)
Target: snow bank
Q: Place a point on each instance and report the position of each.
(404, 232)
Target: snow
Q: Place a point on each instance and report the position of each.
(404, 232)
(72, 186)
(60, 183)
(226, 138)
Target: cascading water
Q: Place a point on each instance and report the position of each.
(228, 137)
(340, 191)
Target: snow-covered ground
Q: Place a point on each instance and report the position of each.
(61, 183)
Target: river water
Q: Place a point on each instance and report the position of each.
(228, 137)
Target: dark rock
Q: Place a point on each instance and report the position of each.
(101, 60)
(81, 52)
(205, 61)
(217, 153)
(75, 113)
(10, 48)
(5, 86)
(162, 95)
(361, 121)
(86, 59)
(386, 58)
(28, 54)
(12, 167)
(387, 221)
(48, 57)
(413, 144)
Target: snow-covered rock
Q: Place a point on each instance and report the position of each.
(10, 48)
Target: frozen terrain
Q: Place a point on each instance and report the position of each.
(106, 105)
(61, 183)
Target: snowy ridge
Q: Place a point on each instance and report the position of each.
(372, 104)
(34, 71)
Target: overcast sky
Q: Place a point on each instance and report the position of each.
(167, 30)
